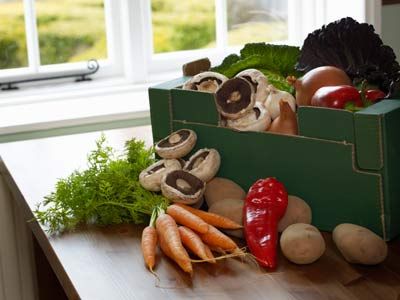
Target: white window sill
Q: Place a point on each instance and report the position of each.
(35, 109)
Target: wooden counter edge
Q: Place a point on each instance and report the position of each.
(39, 234)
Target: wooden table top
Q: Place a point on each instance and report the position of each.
(106, 263)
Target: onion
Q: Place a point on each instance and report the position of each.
(286, 122)
(316, 78)
(272, 102)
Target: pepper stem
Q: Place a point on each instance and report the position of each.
(363, 89)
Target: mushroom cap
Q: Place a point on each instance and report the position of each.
(150, 178)
(204, 164)
(273, 99)
(235, 97)
(177, 144)
(183, 187)
(258, 119)
(259, 82)
(205, 82)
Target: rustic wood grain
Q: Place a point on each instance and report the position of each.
(106, 263)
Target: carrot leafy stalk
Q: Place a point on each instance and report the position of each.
(106, 192)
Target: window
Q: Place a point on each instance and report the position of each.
(142, 39)
(44, 37)
(211, 28)
(236, 22)
(192, 24)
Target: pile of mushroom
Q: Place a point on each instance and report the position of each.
(179, 180)
(247, 102)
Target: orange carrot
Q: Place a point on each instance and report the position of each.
(164, 247)
(216, 238)
(209, 254)
(218, 250)
(186, 218)
(168, 232)
(193, 242)
(149, 244)
(211, 218)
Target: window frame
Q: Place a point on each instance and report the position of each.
(166, 62)
(129, 40)
(111, 66)
(304, 16)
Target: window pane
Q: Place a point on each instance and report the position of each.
(71, 30)
(12, 35)
(183, 25)
(256, 21)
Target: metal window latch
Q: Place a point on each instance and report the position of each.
(92, 66)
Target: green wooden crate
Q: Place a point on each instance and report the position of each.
(345, 165)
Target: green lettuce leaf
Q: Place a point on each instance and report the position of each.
(275, 61)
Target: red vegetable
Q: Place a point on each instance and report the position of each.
(337, 97)
(265, 205)
(374, 95)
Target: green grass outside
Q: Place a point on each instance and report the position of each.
(69, 30)
(74, 30)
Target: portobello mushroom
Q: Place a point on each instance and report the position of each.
(204, 164)
(205, 82)
(259, 82)
(181, 186)
(235, 97)
(150, 178)
(258, 119)
(177, 144)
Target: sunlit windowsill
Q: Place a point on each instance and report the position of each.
(73, 104)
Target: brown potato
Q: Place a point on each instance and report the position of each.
(222, 188)
(302, 243)
(298, 211)
(198, 204)
(232, 209)
(359, 245)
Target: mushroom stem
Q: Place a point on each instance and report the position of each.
(234, 97)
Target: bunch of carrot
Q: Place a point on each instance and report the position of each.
(197, 232)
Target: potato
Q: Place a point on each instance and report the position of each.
(359, 244)
(198, 204)
(298, 211)
(222, 188)
(302, 243)
(232, 209)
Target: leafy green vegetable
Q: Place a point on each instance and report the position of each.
(353, 47)
(278, 81)
(107, 192)
(275, 61)
(228, 61)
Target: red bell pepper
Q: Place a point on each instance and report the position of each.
(265, 205)
(374, 96)
(337, 97)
